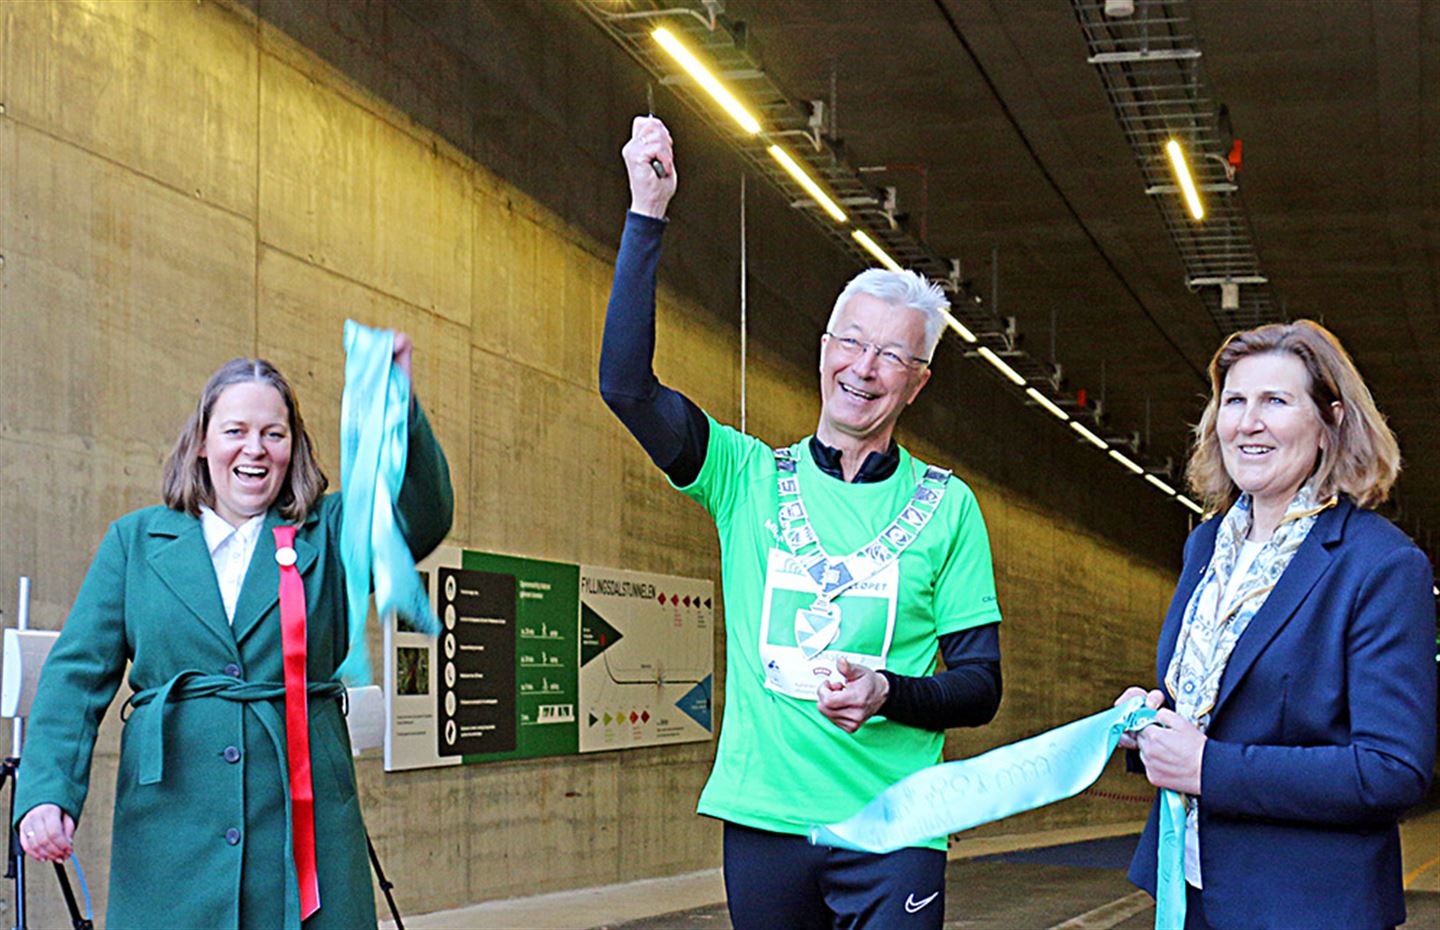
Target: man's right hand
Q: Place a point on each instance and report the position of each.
(47, 833)
(1155, 699)
(649, 193)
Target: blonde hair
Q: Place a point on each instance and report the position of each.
(186, 483)
(1360, 456)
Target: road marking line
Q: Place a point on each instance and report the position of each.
(1415, 873)
(1109, 915)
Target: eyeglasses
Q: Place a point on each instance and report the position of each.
(849, 347)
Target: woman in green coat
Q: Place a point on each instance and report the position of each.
(188, 594)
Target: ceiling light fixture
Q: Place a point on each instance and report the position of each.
(1000, 363)
(1047, 403)
(1229, 296)
(804, 180)
(1160, 484)
(1184, 179)
(707, 80)
(1189, 503)
(1090, 437)
(860, 236)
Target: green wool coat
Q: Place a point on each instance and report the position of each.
(200, 832)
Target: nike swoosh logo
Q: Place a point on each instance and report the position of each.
(911, 905)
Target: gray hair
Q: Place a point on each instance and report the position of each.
(899, 289)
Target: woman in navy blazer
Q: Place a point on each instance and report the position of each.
(1297, 661)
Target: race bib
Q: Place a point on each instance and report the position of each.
(802, 641)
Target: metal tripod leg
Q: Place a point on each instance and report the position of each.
(15, 857)
(77, 920)
(385, 883)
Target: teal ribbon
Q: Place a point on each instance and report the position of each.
(146, 728)
(1059, 764)
(374, 438)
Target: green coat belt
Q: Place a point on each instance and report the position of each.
(201, 832)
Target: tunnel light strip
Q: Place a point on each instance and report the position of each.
(700, 73)
(1001, 364)
(1047, 403)
(960, 328)
(816, 192)
(1117, 456)
(1189, 503)
(1090, 437)
(868, 244)
(1184, 179)
(1160, 484)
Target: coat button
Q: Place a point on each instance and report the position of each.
(232, 670)
(231, 754)
(232, 836)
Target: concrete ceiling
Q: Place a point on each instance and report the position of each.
(1336, 103)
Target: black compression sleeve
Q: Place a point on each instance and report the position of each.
(966, 694)
(670, 428)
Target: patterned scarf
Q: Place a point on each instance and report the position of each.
(1214, 622)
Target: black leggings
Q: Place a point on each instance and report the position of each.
(780, 880)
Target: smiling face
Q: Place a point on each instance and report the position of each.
(1269, 429)
(862, 396)
(247, 449)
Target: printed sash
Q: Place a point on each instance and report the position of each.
(955, 796)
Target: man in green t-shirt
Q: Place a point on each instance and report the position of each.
(847, 564)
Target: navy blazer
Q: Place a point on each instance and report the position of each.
(1323, 732)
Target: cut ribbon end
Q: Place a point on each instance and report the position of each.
(1136, 717)
(415, 611)
(355, 670)
(821, 835)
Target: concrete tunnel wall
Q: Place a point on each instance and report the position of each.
(181, 183)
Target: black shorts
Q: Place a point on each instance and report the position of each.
(780, 880)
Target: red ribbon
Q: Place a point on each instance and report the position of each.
(297, 720)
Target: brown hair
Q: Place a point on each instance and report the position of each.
(1360, 457)
(186, 484)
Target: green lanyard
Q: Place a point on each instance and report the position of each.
(833, 576)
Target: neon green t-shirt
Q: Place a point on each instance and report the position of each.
(780, 765)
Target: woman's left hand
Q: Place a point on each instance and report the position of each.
(1173, 751)
(404, 348)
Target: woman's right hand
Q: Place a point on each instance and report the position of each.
(1155, 699)
(47, 833)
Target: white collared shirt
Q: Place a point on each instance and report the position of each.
(230, 550)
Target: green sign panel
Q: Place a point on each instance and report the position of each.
(547, 602)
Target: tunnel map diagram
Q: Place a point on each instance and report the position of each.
(647, 659)
(539, 658)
